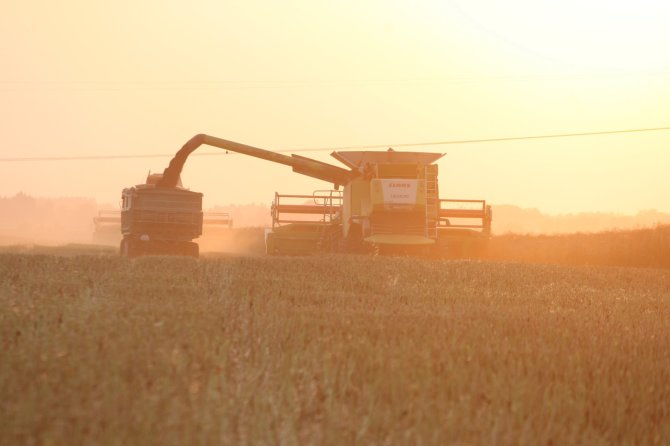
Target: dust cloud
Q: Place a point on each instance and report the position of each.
(247, 241)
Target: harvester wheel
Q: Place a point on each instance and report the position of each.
(437, 251)
(270, 248)
(342, 245)
(351, 245)
(353, 242)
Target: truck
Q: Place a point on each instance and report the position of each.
(160, 220)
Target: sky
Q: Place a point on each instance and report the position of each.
(91, 78)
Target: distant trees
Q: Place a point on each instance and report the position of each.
(26, 219)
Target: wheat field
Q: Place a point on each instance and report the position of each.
(649, 247)
(330, 350)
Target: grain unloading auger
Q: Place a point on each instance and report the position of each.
(389, 202)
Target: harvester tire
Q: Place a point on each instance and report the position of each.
(270, 248)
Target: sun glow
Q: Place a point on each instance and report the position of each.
(601, 34)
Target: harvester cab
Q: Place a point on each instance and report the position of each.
(392, 202)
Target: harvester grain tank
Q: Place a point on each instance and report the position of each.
(389, 202)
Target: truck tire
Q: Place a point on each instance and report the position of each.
(129, 247)
(192, 249)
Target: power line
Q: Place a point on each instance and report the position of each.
(117, 85)
(518, 138)
(322, 149)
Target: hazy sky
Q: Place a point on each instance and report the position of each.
(83, 78)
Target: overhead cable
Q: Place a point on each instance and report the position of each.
(359, 147)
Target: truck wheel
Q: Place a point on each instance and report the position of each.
(151, 247)
(192, 249)
(188, 249)
(129, 248)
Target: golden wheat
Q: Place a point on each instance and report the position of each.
(330, 350)
(643, 247)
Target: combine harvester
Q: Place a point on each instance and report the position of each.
(389, 203)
